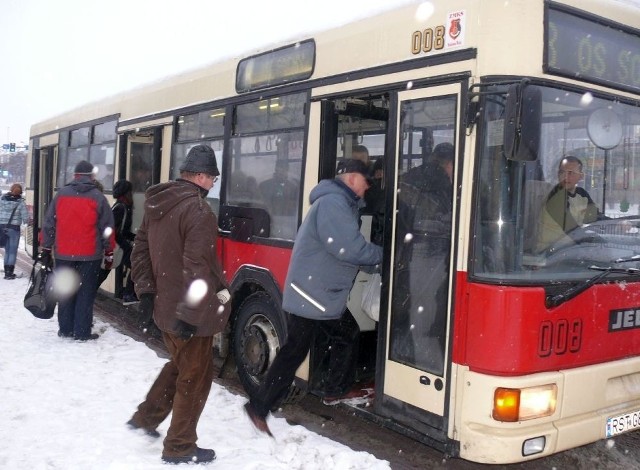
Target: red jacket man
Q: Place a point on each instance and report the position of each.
(79, 228)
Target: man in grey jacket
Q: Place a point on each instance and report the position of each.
(328, 251)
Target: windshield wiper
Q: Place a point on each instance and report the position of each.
(627, 260)
(554, 300)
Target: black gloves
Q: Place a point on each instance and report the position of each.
(145, 308)
(45, 258)
(185, 330)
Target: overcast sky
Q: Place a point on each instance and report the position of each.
(56, 55)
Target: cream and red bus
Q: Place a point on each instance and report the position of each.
(494, 342)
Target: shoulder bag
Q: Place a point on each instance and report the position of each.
(38, 299)
(4, 235)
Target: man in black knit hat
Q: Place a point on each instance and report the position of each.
(175, 248)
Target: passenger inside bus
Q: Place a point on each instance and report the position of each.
(360, 152)
(243, 189)
(279, 193)
(280, 196)
(567, 207)
(374, 198)
(140, 175)
(422, 274)
(105, 175)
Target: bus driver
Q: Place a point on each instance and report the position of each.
(567, 206)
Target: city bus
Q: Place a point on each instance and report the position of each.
(494, 341)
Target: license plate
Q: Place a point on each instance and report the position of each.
(623, 423)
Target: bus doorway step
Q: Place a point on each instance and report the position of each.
(361, 394)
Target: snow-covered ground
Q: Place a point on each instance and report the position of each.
(64, 405)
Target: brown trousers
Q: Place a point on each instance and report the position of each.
(182, 387)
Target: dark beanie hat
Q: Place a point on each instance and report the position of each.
(121, 188)
(444, 152)
(201, 159)
(83, 168)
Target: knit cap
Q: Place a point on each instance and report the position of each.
(83, 168)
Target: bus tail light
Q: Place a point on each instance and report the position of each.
(519, 404)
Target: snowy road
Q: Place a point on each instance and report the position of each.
(64, 405)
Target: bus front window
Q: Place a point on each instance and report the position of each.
(575, 206)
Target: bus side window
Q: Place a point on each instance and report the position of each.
(263, 181)
(280, 194)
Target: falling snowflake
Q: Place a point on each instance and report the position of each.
(197, 290)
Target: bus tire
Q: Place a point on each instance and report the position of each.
(258, 333)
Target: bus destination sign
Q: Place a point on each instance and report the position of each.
(584, 47)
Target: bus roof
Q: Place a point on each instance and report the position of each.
(493, 27)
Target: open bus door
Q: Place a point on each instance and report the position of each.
(414, 365)
(144, 151)
(43, 172)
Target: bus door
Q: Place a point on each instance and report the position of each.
(43, 172)
(415, 386)
(144, 156)
(353, 126)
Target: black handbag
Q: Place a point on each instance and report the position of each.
(4, 236)
(38, 299)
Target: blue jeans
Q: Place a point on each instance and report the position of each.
(75, 314)
(11, 248)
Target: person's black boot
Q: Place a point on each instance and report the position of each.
(199, 455)
(8, 271)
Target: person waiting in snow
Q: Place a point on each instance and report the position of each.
(13, 213)
(74, 231)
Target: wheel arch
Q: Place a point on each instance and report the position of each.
(249, 280)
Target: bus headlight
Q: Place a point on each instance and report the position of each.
(519, 404)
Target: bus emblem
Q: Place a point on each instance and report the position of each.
(455, 28)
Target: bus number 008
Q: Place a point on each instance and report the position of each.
(428, 40)
(559, 337)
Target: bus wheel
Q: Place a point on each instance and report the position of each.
(257, 336)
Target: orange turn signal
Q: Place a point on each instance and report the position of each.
(520, 404)
(506, 404)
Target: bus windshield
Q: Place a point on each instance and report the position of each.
(572, 206)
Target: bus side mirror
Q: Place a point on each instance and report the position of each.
(522, 122)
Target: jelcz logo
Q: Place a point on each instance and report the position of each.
(624, 319)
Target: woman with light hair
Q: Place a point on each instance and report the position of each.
(13, 213)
